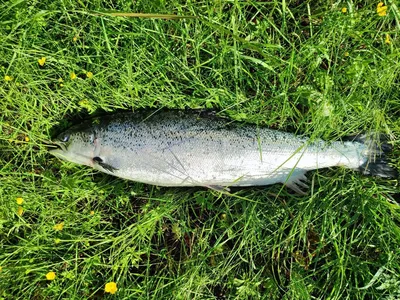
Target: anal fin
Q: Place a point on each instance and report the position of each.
(297, 180)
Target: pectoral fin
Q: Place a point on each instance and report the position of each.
(104, 165)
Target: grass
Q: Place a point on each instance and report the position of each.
(299, 66)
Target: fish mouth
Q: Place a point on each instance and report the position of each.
(56, 148)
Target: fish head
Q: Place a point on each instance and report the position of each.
(76, 145)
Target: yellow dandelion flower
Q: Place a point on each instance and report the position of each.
(8, 78)
(344, 10)
(20, 211)
(20, 200)
(42, 61)
(89, 74)
(387, 39)
(72, 75)
(92, 212)
(61, 84)
(59, 226)
(381, 9)
(84, 103)
(27, 139)
(75, 38)
(111, 287)
(346, 54)
(51, 276)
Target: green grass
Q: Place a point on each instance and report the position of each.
(300, 66)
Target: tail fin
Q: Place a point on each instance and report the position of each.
(377, 152)
(379, 167)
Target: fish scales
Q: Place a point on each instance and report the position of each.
(188, 148)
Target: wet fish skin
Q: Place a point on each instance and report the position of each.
(188, 148)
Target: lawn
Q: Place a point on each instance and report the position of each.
(326, 69)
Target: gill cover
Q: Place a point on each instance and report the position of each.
(76, 144)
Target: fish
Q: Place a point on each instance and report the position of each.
(184, 148)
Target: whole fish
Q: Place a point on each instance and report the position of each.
(196, 148)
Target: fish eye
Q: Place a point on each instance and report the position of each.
(64, 138)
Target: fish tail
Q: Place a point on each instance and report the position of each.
(377, 156)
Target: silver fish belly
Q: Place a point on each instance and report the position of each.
(181, 148)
